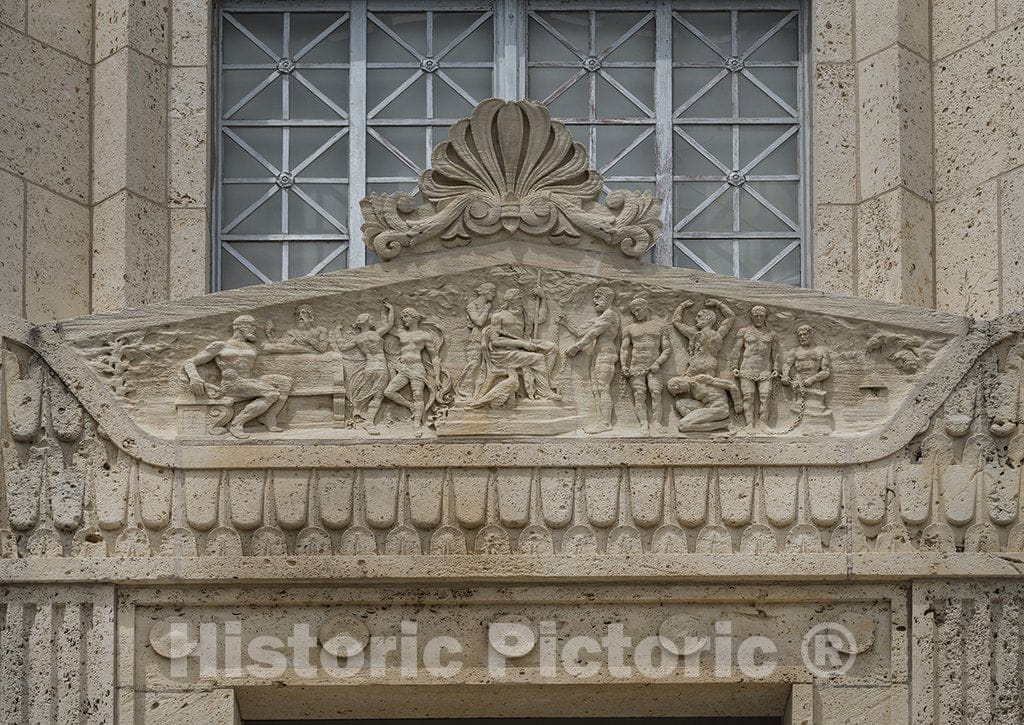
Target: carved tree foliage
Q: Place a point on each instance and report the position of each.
(510, 169)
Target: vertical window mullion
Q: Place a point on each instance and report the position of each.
(357, 131)
(663, 110)
(803, 97)
(510, 49)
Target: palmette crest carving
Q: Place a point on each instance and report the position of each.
(510, 169)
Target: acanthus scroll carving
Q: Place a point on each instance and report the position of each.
(510, 169)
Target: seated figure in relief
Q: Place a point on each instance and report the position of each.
(702, 398)
(307, 336)
(366, 385)
(509, 353)
(236, 360)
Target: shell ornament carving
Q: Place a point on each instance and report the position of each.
(510, 169)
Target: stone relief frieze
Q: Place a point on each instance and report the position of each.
(71, 491)
(515, 350)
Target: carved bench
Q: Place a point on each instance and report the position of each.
(312, 374)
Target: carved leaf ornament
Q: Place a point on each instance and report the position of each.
(510, 169)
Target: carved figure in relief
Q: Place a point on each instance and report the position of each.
(410, 370)
(603, 332)
(702, 402)
(705, 337)
(645, 348)
(478, 310)
(236, 360)
(755, 363)
(367, 384)
(509, 352)
(806, 367)
(306, 337)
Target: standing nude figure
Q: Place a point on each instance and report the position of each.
(755, 363)
(478, 310)
(413, 342)
(603, 331)
(367, 384)
(705, 338)
(807, 366)
(236, 359)
(645, 348)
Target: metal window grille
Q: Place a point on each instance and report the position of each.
(319, 103)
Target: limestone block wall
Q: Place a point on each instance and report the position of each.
(979, 152)
(103, 155)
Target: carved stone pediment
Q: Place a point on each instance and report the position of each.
(522, 395)
(543, 370)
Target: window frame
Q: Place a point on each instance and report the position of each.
(509, 80)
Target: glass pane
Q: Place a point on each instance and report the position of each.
(613, 140)
(238, 84)
(476, 47)
(689, 90)
(546, 47)
(756, 254)
(234, 274)
(407, 141)
(410, 103)
(265, 219)
(756, 216)
(694, 144)
(310, 88)
(568, 30)
(754, 140)
(614, 102)
(264, 256)
(310, 205)
(449, 102)
(266, 28)
(265, 142)
(701, 37)
(715, 253)
(306, 145)
(306, 27)
(709, 87)
(756, 103)
(406, 41)
(715, 215)
(780, 46)
(572, 102)
(303, 257)
(638, 46)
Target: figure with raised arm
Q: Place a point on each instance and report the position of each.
(706, 336)
(414, 342)
(367, 384)
(478, 310)
(603, 332)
